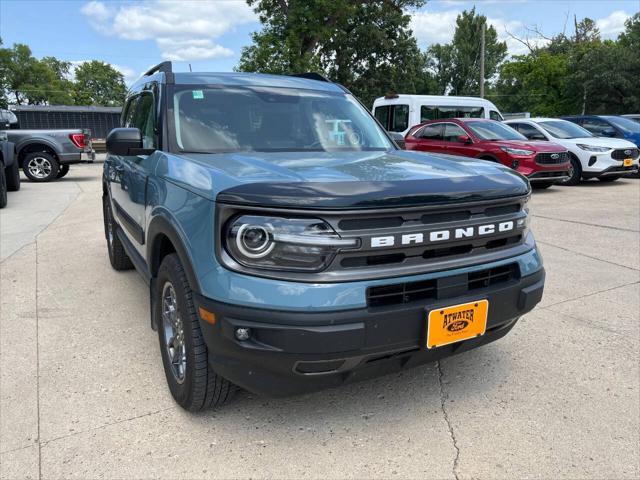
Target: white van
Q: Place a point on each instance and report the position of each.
(398, 113)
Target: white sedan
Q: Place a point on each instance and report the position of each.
(606, 159)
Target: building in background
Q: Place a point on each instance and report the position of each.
(100, 120)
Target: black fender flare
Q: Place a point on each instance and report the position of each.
(159, 225)
(36, 141)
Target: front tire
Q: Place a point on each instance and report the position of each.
(575, 172)
(117, 255)
(608, 179)
(192, 382)
(3, 187)
(40, 167)
(12, 175)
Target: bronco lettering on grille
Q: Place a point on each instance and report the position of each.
(435, 236)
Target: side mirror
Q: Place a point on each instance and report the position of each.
(609, 132)
(397, 138)
(464, 139)
(126, 141)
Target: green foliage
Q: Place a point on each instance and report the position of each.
(457, 65)
(576, 74)
(98, 83)
(26, 80)
(366, 46)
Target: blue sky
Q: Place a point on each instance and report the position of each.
(211, 34)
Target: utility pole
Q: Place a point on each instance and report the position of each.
(482, 61)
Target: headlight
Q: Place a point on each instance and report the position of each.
(591, 148)
(517, 151)
(278, 243)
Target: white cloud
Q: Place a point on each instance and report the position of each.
(612, 25)
(439, 27)
(434, 27)
(185, 30)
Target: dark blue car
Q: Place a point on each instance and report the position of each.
(609, 126)
(289, 245)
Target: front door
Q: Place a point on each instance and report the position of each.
(129, 194)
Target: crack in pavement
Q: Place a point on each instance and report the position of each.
(38, 367)
(591, 294)
(609, 227)
(443, 398)
(587, 256)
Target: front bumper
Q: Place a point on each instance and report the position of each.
(540, 172)
(295, 352)
(618, 170)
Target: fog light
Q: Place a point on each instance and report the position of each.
(592, 160)
(243, 334)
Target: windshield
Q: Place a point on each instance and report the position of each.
(565, 129)
(488, 130)
(212, 119)
(625, 124)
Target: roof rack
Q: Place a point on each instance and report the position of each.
(164, 67)
(311, 76)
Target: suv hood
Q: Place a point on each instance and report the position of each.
(342, 180)
(602, 142)
(538, 146)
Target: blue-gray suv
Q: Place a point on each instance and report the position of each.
(289, 245)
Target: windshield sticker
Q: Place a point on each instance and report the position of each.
(197, 94)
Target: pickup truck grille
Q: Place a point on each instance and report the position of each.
(552, 158)
(408, 292)
(621, 154)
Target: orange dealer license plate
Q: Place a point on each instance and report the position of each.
(456, 323)
(627, 162)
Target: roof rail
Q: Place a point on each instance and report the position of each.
(164, 67)
(311, 76)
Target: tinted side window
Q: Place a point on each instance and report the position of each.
(382, 114)
(528, 131)
(431, 132)
(493, 115)
(433, 113)
(399, 118)
(144, 119)
(596, 126)
(452, 132)
(128, 112)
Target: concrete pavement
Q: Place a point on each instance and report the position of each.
(83, 395)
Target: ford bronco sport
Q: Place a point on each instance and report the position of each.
(289, 245)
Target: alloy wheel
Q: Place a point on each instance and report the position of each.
(39, 167)
(173, 332)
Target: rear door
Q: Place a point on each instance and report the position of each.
(133, 170)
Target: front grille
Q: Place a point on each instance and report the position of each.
(429, 290)
(401, 241)
(552, 158)
(621, 154)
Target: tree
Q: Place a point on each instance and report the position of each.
(32, 81)
(367, 46)
(457, 65)
(98, 83)
(537, 83)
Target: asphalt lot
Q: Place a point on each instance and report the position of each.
(83, 394)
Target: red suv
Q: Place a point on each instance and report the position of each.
(543, 163)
